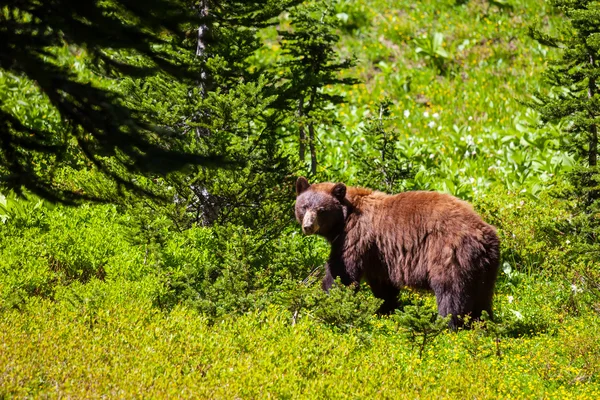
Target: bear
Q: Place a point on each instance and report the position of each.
(419, 239)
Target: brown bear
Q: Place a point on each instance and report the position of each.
(425, 240)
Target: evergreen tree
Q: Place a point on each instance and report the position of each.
(40, 42)
(311, 65)
(575, 103)
(230, 110)
(381, 167)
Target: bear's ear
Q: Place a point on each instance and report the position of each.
(301, 185)
(339, 191)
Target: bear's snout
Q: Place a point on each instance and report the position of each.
(310, 225)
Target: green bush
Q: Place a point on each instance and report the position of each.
(42, 247)
(529, 228)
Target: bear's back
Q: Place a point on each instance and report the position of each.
(417, 207)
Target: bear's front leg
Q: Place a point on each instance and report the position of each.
(335, 269)
(328, 279)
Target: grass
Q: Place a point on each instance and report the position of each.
(133, 350)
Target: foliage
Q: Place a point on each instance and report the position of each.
(575, 102)
(343, 308)
(215, 293)
(380, 165)
(432, 48)
(230, 269)
(134, 350)
(534, 231)
(353, 16)
(421, 325)
(311, 66)
(69, 56)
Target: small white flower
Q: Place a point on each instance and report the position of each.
(473, 152)
(426, 114)
(467, 153)
(431, 124)
(439, 128)
(472, 180)
(406, 113)
(517, 314)
(431, 155)
(470, 118)
(409, 125)
(469, 129)
(510, 299)
(436, 115)
(567, 241)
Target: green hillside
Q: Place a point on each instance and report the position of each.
(141, 298)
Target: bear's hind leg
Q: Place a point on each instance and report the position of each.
(455, 301)
(485, 293)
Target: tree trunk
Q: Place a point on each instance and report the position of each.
(593, 142)
(302, 147)
(311, 133)
(203, 29)
(313, 152)
(593, 153)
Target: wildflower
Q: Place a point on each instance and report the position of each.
(517, 314)
(431, 124)
(426, 114)
(406, 113)
(436, 115)
(510, 299)
(470, 118)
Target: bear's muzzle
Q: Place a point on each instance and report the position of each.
(310, 225)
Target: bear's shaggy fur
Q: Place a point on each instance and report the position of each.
(420, 239)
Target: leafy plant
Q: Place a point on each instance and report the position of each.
(432, 49)
(381, 167)
(343, 308)
(421, 325)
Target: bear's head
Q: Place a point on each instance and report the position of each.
(321, 208)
